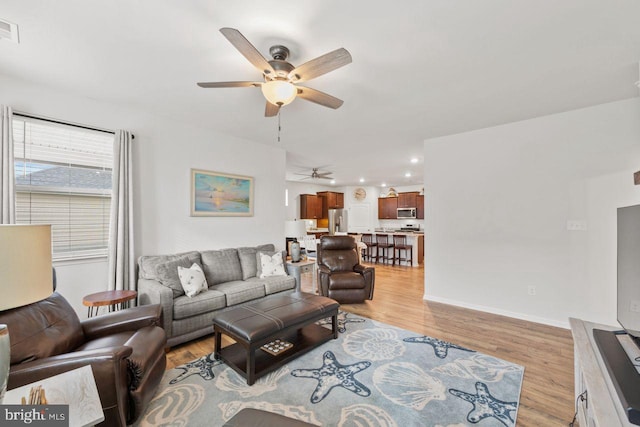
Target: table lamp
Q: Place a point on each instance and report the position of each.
(25, 277)
(294, 230)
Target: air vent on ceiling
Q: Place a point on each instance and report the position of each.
(9, 31)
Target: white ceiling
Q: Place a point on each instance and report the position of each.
(421, 68)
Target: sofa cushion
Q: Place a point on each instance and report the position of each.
(241, 291)
(147, 264)
(248, 259)
(205, 302)
(221, 266)
(167, 274)
(275, 284)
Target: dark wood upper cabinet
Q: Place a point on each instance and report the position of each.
(420, 207)
(330, 200)
(408, 200)
(310, 206)
(388, 208)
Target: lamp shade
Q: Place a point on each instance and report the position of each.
(25, 265)
(279, 92)
(295, 229)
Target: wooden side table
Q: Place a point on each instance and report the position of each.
(297, 268)
(108, 298)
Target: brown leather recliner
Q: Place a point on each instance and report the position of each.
(340, 275)
(125, 350)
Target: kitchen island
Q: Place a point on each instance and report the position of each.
(416, 240)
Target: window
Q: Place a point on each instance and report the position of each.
(63, 178)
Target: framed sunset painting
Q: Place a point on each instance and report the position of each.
(220, 194)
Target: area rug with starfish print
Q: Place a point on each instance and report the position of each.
(372, 375)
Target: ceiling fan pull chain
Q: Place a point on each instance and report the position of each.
(279, 128)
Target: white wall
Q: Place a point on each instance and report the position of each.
(164, 153)
(497, 205)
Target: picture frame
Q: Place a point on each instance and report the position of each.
(220, 194)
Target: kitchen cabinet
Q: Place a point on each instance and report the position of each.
(388, 208)
(330, 200)
(408, 200)
(420, 207)
(310, 206)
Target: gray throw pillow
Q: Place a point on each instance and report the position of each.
(167, 274)
(248, 259)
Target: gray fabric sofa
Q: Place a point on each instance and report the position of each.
(232, 279)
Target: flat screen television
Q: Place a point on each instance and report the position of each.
(629, 269)
(623, 373)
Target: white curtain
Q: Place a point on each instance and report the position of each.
(121, 253)
(7, 171)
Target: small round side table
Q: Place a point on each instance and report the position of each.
(109, 298)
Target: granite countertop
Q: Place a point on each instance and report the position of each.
(399, 233)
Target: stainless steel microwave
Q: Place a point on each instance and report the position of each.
(406, 213)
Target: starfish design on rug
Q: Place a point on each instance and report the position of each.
(334, 374)
(485, 405)
(441, 348)
(343, 319)
(203, 367)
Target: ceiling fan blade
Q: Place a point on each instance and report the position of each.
(321, 65)
(229, 84)
(318, 97)
(323, 177)
(271, 110)
(248, 50)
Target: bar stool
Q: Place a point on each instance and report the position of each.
(367, 239)
(400, 243)
(384, 245)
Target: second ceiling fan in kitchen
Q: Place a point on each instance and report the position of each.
(316, 174)
(280, 86)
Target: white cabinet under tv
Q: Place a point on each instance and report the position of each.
(602, 406)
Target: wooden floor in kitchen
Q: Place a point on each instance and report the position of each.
(545, 351)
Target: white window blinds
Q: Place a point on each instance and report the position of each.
(63, 178)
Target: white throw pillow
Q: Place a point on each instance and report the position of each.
(192, 280)
(272, 265)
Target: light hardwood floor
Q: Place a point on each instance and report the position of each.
(545, 351)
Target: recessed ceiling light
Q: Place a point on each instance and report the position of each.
(361, 179)
(408, 174)
(333, 181)
(383, 185)
(414, 160)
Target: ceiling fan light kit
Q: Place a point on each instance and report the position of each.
(280, 77)
(279, 92)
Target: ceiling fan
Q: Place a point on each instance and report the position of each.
(316, 175)
(280, 86)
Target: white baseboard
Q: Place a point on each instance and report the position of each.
(493, 310)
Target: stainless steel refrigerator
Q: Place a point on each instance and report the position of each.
(338, 221)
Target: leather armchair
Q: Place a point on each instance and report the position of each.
(125, 350)
(340, 275)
